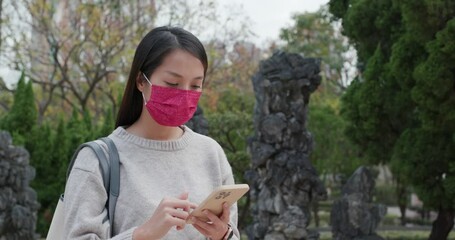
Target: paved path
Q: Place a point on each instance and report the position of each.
(385, 228)
(396, 211)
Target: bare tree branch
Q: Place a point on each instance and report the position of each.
(75, 47)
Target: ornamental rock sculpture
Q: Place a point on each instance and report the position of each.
(354, 216)
(282, 179)
(18, 202)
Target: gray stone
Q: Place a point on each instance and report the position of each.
(198, 122)
(282, 180)
(18, 202)
(370, 237)
(275, 236)
(362, 183)
(261, 152)
(272, 128)
(354, 216)
(313, 235)
(295, 232)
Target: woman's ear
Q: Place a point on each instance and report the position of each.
(139, 82)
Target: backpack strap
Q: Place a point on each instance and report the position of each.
(114, 183)
(103, 161)
(110, 171)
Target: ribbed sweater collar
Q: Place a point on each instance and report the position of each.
(171, 145)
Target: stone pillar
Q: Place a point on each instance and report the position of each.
(354, 216)
(18, 202)
(282, 179)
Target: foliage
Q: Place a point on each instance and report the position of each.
(80, 52)
(230, 124)
(50, 150)
(6, 98)
(384, 194)
(3, 19)
(46, 157)
(333, 155)
(401, 108)
(22, 116)
(314, 34)
(77, 58)
(230, 69)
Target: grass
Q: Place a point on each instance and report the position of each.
(388, 220)
(397, 235)
(389, 235)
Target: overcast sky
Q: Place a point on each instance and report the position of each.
(269, 16)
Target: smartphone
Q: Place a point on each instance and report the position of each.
(214, 202)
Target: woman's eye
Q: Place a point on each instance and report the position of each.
(196, 86)
(172, 84)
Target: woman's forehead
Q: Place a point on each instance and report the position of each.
(180, 63)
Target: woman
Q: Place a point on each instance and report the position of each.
(166, 168)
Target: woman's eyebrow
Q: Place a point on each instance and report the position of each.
(180, 76)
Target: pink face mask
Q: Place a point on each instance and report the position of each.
(171, 106)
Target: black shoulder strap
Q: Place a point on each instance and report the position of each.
(110, 170)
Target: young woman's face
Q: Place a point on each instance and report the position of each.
(179, 69)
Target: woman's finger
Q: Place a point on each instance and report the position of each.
(173, 221)
(225, 216)
(216, 229)
(202, 230)
(184, 196)
(178, 213)
(178, 203)
(202, 224)
(212, 217)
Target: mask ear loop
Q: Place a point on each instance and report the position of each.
(145, 101)
(146, 78)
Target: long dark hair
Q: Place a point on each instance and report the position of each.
(150, 52)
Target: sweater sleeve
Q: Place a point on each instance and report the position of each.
(228, 178)
(85, 199)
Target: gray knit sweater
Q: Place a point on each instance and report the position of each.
(149, 171)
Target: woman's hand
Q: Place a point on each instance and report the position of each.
(169, 213)
(217, 227)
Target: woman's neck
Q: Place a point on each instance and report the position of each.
(146, 127)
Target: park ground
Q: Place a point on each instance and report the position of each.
(389, 228)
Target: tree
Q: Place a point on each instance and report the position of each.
(316, 35)
(230, 125)
(5, 99)
(433, 157)
(374, 105)
(50, 150)
(400, 109)
(6, 92)
(76, 48)
(79, 52)
(107, 125)
(77, 55)
(230, 69)
(22, 116)
(46, 146)
(333, 155)
(1, 23)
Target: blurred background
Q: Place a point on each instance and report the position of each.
(387, 97)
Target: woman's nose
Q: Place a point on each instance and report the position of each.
(185, 86)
